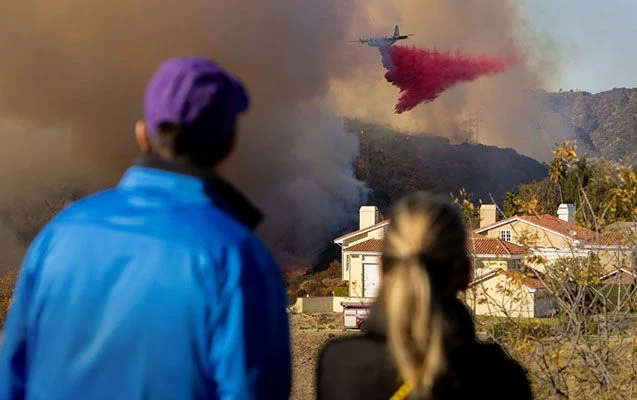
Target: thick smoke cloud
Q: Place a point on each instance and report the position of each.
(511, 110)
(73, 75)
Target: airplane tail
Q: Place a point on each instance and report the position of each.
(396, 31)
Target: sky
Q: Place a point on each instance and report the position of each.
(597, 41)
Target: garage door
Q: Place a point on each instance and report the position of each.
(371, 280)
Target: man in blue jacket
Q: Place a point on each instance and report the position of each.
(156, 289)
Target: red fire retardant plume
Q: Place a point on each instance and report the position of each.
(422, 75)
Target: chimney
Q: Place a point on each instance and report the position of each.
(566, 212)
(369, 216)
(488, 215)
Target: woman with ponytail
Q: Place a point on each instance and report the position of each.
(421, 340)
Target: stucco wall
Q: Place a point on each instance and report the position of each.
(325, 304)
(485, 265)
(612, 260)
(356, 272)
(499, 297)
(313, 305)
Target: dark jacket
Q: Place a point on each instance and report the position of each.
(360, 367)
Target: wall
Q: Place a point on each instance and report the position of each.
(325, 304)
(356, 272)
(313, 305)
(500, 297)
(356, 276)
(378, 233)
(484, 266)
(611, 260)
(539, 237)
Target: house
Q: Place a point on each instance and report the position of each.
(554, 238)
(361, 251)
(499, 249)
(508, 293)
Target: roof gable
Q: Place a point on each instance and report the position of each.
(531, 283)
(548, 223)
(381, 224)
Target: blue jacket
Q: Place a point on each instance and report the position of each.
(155, 289)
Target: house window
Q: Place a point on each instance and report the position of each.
(505, 235)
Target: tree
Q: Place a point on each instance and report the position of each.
(510, 204)
(589, 349)
(603, 192)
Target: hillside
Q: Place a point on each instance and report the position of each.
(393, 164)
(604, 123)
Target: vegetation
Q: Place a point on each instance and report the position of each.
(393, 164)
(7, 285)
(603, 192)
(589, 350)
(604, 124)
(324, 283)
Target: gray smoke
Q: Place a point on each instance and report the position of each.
(73, 75)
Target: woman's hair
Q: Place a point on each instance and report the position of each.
(424, 261)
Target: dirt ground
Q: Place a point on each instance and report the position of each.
(310, 332)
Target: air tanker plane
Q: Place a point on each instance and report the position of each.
(384, 41)
(383, 44)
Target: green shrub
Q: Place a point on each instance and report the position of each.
(341, 291)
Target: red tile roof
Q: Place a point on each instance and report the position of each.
(372, 245)
(614, 238)
(478, 244)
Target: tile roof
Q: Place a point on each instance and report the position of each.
(478, 244)
(614, 238)
(372, 245)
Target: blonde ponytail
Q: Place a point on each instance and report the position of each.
(415, 325)
(425, 263)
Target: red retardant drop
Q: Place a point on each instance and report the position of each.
(422, 75)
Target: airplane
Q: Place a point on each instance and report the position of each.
(384, 41)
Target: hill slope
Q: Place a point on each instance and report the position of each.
(604, 123)
(394, 164)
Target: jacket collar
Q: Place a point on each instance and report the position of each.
(199, 182)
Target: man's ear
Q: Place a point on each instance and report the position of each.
(141, 135)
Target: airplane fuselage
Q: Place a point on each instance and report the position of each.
(384, 42)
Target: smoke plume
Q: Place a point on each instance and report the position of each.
(74, 72)
(422, 75)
